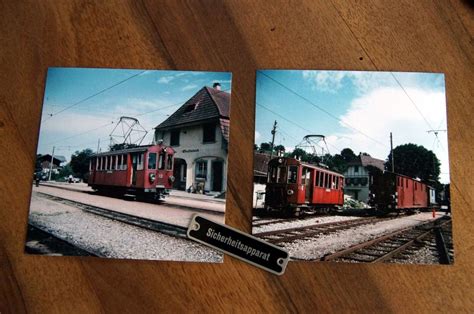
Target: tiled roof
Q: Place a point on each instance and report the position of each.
(366, 160)
(208, 103)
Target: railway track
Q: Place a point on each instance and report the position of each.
(401, 244)
(267, 221)
(311, 231)
(153, 225)
(161, 203)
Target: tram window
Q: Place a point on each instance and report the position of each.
(114, 159)
(292, 174)
(337, 182)
(303, 175)
(121, 163)
(125, 162)
(406, 180)
(281, 173)
(318, 174)
(161, 161)
(152, 161)
(326, 180)
(321, 179)
(140, 161)
(106, 158)
(99, 161)
(169, 162)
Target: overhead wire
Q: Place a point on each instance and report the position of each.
(93, 95)
(321, 109)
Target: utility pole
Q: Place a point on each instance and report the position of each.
(51, 165)
(98, 145)
(273, 138)
(391, 152)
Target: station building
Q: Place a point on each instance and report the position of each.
(357, 176)
(199, 133)
(44, 163)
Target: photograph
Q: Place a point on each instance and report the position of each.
(125, 158)
(352, 166)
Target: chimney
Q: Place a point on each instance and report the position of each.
(217, 86)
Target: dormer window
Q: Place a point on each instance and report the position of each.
(191, 107)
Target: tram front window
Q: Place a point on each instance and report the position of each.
(292, 174)
(277, 175)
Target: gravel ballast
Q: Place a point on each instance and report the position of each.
(113, 239)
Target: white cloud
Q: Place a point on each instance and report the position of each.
(165, 79)
(388, 109)
(189, 87)
(257, 136)
(332, 81)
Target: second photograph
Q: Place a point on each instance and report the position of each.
(353, 166)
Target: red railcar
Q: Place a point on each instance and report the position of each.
(294, 186)
(144, 171)
(395, 192)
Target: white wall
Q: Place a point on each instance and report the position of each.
(191, 148)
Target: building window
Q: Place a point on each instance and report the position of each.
(174, 141)
(152, 161)
(201, 169)
(209, 133)
(356, 168)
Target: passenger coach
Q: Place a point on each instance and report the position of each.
(143, 171)
(294, 186)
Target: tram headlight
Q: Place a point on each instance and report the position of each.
(280, 160)
(152, 177)
(171, 178)
(290, 192)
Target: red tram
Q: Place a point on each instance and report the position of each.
(294, 186)
(143, 171)
(395, 192)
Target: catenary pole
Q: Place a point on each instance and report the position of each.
(391, 152)
(273, 138)
(51, 165)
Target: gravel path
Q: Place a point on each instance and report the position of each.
(113, 239)
(314, 249)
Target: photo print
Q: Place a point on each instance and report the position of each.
(125, 158)
(353, 166)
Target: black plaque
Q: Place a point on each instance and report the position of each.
(238, 244)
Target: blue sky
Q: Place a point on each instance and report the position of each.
(353, 109)
(69, 126)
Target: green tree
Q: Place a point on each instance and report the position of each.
(80, 162)
(65, 171)
(279, 148)
(348, 155)
(415, 161)
(255, 147)
(265, 147)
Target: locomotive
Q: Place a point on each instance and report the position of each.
(294, 187)
(143, 171)
(395, 192)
